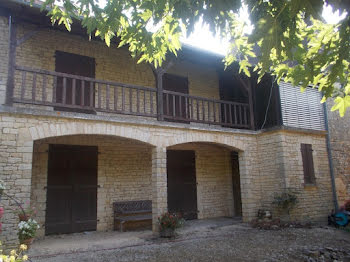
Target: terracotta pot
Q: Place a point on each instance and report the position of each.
(167, 233)
(28, 242)
(23, 217)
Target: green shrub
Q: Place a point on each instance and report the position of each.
(286, 200)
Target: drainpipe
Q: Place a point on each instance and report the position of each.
(330, 159)
(11, 61)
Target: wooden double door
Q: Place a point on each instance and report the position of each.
(182, 185)
(71, 189)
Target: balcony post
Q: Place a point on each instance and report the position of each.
(159, 82)
(11, 62)
(251, 105)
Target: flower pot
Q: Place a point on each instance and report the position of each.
(28, 242)
(23, 217)
(167, 233)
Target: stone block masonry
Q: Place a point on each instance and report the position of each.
(339, 128)
(132, 165)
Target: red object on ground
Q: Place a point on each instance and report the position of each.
(347, 205)
(1, 211)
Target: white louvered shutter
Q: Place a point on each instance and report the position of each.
(301, 109)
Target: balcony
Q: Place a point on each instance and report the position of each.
(66, 92)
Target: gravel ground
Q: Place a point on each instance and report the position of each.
(235, 242)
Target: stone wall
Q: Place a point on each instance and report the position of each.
(23, 171)
(339, 129)
(281, 168)
(315, 201)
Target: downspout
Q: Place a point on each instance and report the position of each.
(8, 95)
(11, 61)
(330, 159)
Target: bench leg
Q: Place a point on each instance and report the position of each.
(121, 226)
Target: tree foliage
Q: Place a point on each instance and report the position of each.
(289, 38)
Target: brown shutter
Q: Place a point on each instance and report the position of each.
(175, 106)
(308, 163)
(75, 65)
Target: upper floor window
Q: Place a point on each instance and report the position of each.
(72, 92)
(301, 109)
(175, 107)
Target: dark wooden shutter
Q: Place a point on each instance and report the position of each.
(75, 65)
(308, 163)
(176, 84)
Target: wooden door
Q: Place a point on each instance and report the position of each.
(175, 106)
(236, 185)
(71, 189)
(182, 186)
(80, 66)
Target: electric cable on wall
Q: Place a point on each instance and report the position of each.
(268, 104)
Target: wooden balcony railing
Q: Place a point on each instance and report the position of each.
(187, 108)
(83, 94)
(60, 90)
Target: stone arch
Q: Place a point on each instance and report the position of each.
(213, 176)
(226, 146)
(228, 141)
(124, 163)
(49, 130)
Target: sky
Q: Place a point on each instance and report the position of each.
(204, 39)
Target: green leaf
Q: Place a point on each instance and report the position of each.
(243, 65)
(341, 104)
(107, 39)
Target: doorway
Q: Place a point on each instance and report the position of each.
(71, 189)
(182, 185)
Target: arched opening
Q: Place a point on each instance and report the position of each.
(203, 180)
(77, 178)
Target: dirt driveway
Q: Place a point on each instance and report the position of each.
(225, 241)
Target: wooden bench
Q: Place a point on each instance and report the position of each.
(131, 211)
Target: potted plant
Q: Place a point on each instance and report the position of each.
(27, 231)
(168, 223)
(25, 213)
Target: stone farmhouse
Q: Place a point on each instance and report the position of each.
(83, 126)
